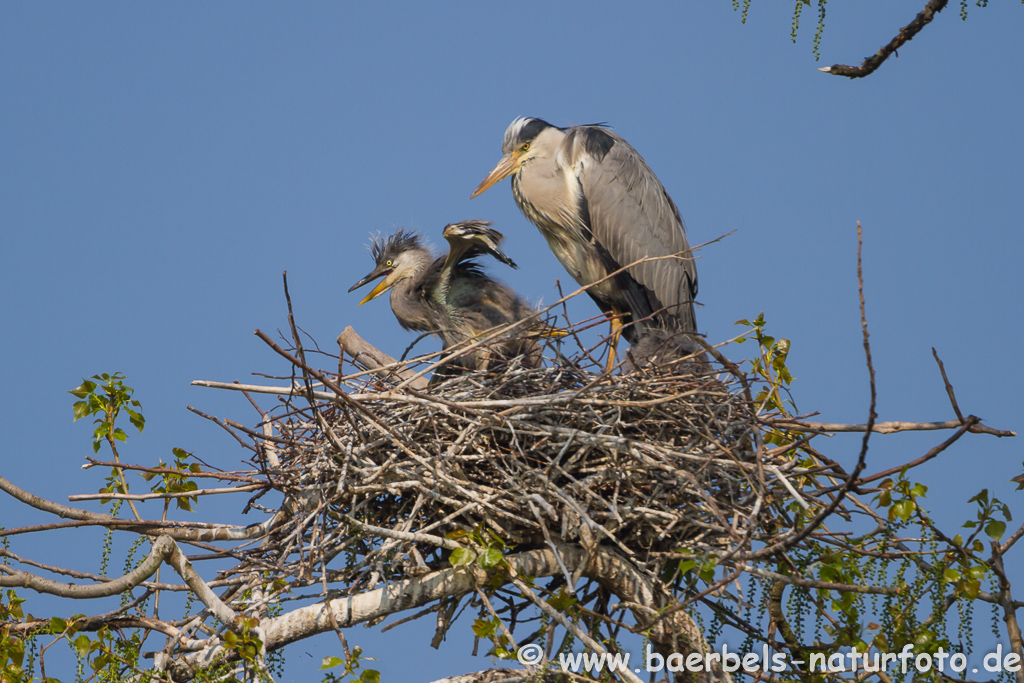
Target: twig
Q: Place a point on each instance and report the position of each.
(886, 427)
(165, 496)
(949, 387)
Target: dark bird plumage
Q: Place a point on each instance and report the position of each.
(451, 296)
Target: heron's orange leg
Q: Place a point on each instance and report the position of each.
(616, 333)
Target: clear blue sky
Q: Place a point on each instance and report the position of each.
(162, 164)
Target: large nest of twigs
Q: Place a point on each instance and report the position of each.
(646, 463)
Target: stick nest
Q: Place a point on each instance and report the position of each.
(651, 463)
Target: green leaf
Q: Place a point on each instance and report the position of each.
(370, 676)
(57, 625)
(490, 558)
(844, 603)
(83, 389)
(995, 529)
(498, 540)
(82, 644)
(16, 652)
(902, 509)
(484, 628)
(563, 600)
(686, 566)
(101, 662)
(331, 662)
(951, 575)
(461, 557)
(136, 419)
(81, 409)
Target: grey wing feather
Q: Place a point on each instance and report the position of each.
(632, 217)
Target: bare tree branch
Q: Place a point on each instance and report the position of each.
(869, 65)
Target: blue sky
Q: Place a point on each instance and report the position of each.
(164, 163)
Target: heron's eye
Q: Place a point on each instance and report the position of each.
(525, 147)
(389, 263)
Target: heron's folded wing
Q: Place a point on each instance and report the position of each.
(632, 217)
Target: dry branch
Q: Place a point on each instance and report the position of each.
(890, 427)
(869, 65)
(366, 356)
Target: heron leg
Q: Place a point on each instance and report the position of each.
(614, 339)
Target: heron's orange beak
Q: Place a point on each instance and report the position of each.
(506, 167)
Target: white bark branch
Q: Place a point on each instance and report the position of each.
(208, 534)
(607, 568)
(161, 549)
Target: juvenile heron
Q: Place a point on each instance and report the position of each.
(600, 207)
(450, 296)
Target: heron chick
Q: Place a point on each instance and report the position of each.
(451, 296)
(600, 208)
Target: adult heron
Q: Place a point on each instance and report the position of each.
(600, 207)
(450, 296)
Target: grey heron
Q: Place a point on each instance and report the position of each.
(450, 296)
(600, 207)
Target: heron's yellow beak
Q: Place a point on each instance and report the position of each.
(384, 285)
(506, 167)
(381, 287)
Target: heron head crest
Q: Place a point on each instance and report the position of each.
(401, 241)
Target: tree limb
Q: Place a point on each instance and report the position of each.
(622, 578)
(869, 65)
